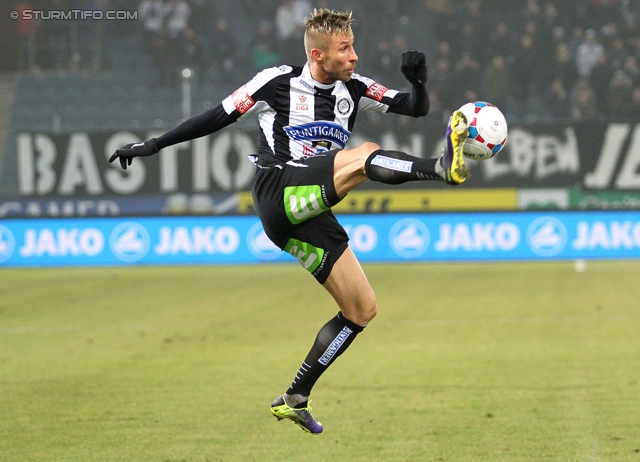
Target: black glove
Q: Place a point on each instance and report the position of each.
(414, 67)
(132, 150)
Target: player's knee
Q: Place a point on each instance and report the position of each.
(361, 310)
(373, 310)
(368, 308)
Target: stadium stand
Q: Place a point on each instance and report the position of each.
(121, 79)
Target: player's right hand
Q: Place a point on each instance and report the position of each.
(127, 153)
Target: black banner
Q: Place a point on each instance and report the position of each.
(594, 156)
(76, 164)
(58, 168)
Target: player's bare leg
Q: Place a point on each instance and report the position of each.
(347, 282)
(349, 287)
(352, 167)
(348, 167)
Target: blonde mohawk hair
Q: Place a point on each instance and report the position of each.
(323, 23)
(326, 21)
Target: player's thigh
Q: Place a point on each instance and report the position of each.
(317, 244)
(348, 167)
(290, 194)
(296, 219)
(351, 290)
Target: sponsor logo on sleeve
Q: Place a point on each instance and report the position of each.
(242, 100)
(376, 91)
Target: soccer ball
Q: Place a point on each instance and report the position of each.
(487, 130)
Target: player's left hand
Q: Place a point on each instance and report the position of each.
(127, 153)
(414, 67)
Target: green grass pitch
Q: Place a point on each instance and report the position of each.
(521, 362)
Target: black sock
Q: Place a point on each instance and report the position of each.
(331, 341)
(395, 167)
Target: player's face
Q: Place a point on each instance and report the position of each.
(339, 60)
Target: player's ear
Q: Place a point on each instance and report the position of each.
(317, 55)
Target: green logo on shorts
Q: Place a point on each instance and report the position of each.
(307, 255)
(303, 202)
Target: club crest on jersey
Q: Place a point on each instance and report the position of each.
(376, 91)
(242, 100)
(344, 106)
(319, 131)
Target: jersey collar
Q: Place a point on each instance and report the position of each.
(306, 74)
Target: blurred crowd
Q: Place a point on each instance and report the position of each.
(577, 59)
(570, 59)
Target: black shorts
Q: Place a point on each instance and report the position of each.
(293, 201)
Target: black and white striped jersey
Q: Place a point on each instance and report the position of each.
(298, 116)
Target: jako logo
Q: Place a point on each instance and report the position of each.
(409, 238)
(478, 237)
(547, 236)
(197, 240)
(607, 235)
(129, 241)
(260, 245)
(62, 242)
(7, 243)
